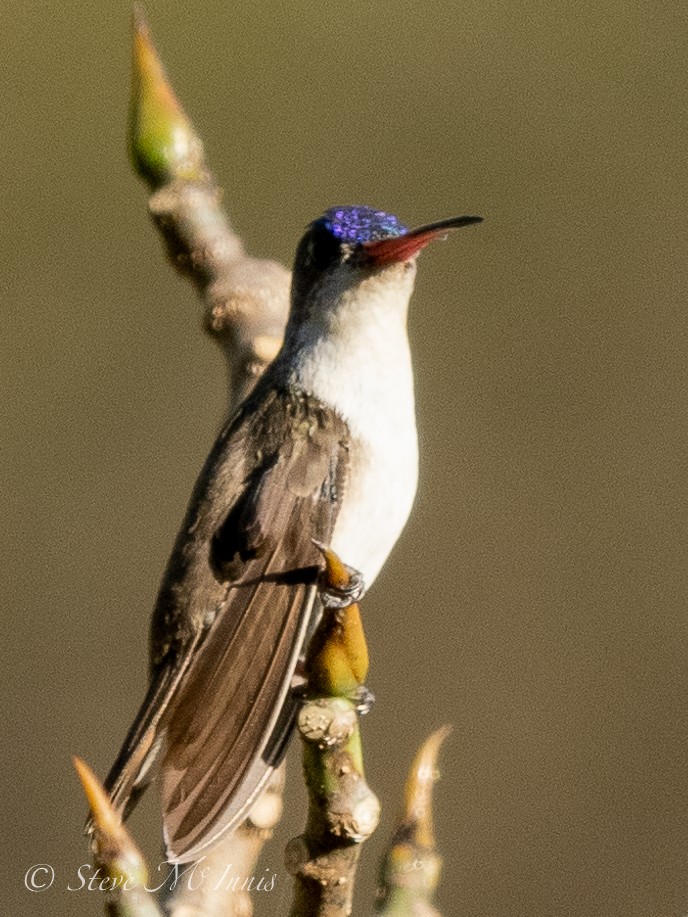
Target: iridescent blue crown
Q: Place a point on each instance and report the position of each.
(361, 224)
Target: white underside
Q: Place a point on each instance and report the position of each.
(361, 367)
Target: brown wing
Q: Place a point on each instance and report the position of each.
(130, 774)
(251, 565)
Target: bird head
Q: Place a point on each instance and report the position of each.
(360, 248)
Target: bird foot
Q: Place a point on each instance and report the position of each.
(340, 585)
(364, 700)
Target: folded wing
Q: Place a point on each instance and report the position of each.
(250, 559)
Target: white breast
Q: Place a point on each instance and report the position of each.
(381, 489)
(361, 367)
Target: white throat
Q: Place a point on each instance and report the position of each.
(352, 353)
(352, 350)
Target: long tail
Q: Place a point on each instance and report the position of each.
(134, 766)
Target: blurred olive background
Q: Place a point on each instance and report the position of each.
(537, 600)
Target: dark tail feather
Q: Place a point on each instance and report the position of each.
(216, 765)
(133, 768)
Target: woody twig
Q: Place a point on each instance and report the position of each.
(246, 300)
(342, 810)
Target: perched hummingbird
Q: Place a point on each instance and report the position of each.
(324, 448)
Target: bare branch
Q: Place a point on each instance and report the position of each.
(342, 809)
(246, 299)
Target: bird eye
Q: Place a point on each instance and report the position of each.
(322, 249)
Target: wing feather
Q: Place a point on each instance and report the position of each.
(232, 615)
(230, 717)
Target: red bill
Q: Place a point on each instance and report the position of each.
(402, 248)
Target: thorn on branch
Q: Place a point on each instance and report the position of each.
(411, 867)
(162, 141)
(121, 865)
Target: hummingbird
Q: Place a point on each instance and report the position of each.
(324, 451)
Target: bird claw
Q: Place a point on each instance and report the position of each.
(339, 584)
(364, 700)
(336, 597)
